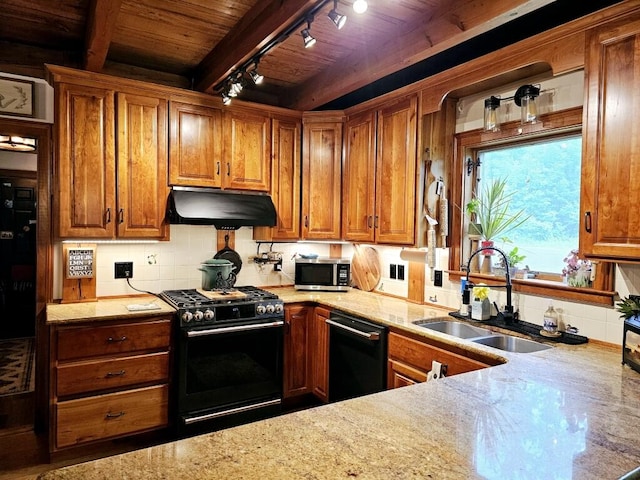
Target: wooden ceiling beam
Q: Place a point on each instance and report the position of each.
(258, 27)
(456, 22)
(101, 24)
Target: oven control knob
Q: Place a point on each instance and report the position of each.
(208, 314)
(187, 316)
(261, 309)
(271, 308)
(279, 308)
(198, 315)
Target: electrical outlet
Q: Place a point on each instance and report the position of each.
(392, 271)
(123, 270)
(437, 278)
(400, 272)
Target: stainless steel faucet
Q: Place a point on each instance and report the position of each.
(507, 315)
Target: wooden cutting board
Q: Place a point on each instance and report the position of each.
(365, 268)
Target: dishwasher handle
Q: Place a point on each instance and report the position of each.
(373, 336)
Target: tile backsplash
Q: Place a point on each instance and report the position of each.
(159, 266)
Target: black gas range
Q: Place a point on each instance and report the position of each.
(229, 353)
(218, 308)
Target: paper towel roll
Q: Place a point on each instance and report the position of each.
(431, 245)
(414, 255)
(443, 219)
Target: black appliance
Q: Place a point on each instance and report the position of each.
(229, 349)
(357, 357)
(225, 209)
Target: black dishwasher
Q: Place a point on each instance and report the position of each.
(357, 357)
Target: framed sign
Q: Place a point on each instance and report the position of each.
(79, 262)
(16, 97)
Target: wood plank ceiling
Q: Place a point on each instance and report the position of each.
(198, 43)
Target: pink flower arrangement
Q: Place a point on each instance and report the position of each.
(575, 264)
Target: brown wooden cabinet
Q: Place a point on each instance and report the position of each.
(379, 175)
(286, 136)
(610, 192)
(297, 365)
(396, 172)
(319, 352)
(321, 176)
(359, 178)
(409, 361)
(88, 202)
(109, 380)
(85, 195)
(247, 141)
(142, 166)
(195, 158)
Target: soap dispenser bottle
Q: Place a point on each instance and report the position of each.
(550, 322)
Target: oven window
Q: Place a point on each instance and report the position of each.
(227, 368)
(314, 274)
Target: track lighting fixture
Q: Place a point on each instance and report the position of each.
(360, 6)
(307, 38)
(337, 18)
(232, 85)
(525, 98)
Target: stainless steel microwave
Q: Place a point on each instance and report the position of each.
(331, 274)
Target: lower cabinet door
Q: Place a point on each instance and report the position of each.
(105, 416)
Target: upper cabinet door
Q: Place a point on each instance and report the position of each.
(287, 134)
(396, 172)
(321, 171)
(247, 157)
(611, 146)
(85, 129)
(142, 166)
(359, 178)
(195, 158)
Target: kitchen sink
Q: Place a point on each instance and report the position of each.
(456, 329)
(509, 343)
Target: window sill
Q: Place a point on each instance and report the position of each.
(545, 288)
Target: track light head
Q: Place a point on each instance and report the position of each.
(256, 77)
(226, 99)
(307, 38)
(337, 18)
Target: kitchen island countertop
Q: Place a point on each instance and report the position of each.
(568, 412)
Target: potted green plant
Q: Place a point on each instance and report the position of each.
(492, 211)
(492, 208)
(629, 307)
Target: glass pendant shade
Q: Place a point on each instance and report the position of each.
(525, 98)
(492, 114)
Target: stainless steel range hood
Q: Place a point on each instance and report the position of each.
(225, 209)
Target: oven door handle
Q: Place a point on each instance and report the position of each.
(368, 335)
(238, 328)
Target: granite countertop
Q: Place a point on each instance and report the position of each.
(568, 412)
(105, 309)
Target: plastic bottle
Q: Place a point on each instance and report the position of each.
(550, 321)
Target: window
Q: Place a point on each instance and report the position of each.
(544, 176)
(557, 130)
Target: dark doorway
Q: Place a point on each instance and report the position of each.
(18, 193)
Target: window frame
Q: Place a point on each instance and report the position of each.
(549, 125)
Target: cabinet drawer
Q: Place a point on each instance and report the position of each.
(421, 355)
(106, 416)
(83, 342)
(96, 375)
